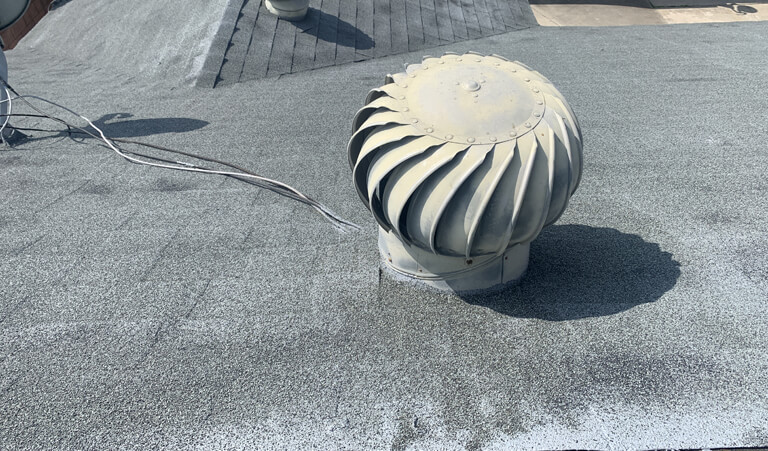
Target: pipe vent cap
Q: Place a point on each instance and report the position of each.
(463, 157)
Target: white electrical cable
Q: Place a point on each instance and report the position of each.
(338, 222)
(8, 116)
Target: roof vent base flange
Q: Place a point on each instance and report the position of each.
(293, 10)
(453, 274)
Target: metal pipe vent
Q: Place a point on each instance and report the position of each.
(462, 160)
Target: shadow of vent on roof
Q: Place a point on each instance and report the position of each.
(144, 127)
(329, 28)
(578, 271)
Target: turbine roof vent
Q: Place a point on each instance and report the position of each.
(462, 160)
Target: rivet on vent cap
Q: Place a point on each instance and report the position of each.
(475, 185)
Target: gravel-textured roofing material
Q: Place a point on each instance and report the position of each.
(145, 308)
(342, 31)
(155, 39)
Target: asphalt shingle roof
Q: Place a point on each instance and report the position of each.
(342, 31)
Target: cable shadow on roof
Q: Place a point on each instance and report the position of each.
(577, 271)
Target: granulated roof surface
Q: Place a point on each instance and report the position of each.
(141, 307)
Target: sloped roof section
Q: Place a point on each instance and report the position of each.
(168, 39)
(343, 31)
(221, 42)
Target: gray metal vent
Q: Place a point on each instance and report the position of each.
(462, 160)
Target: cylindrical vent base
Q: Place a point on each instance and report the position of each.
(453, 273)
(293, 10)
